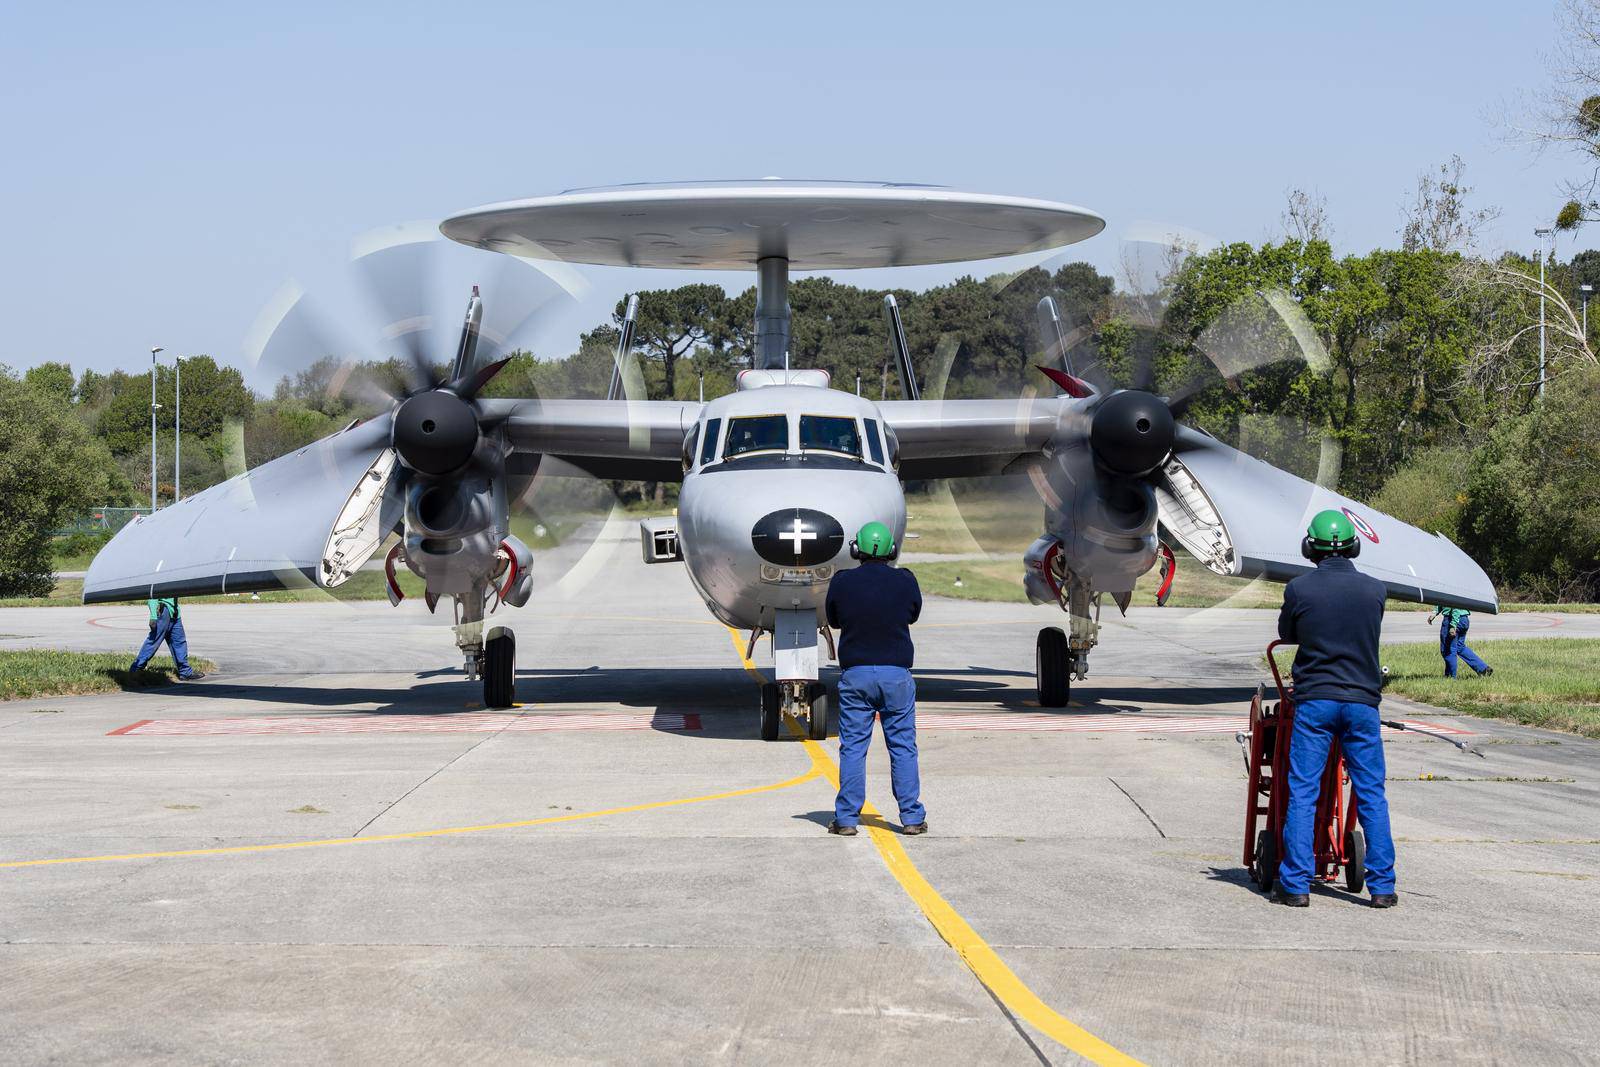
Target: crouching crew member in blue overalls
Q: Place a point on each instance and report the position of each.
(1334, 614)
(166, 624)
(873, 607)
(1453, 624)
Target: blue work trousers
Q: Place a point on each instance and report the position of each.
(169, 628)
(1451, 647)
(1316, 724)
(890, 693)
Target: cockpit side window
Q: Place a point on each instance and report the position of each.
(708, 440)
(756, 433)
(830, 433)
(874, 443)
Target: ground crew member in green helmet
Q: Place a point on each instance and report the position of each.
(1335, 615)
(873, 606)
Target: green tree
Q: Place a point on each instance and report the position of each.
(672, 322)
(1532, 514)
(212, 396)
(51, 469)
(53, 380)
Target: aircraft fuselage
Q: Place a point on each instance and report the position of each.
(779, 480)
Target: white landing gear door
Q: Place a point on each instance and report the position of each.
(794, 645)
(367, 517)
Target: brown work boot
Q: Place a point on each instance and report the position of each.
(914, 829)
(1384, 900)
(836, 827)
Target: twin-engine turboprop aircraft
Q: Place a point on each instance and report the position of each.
(777, 475)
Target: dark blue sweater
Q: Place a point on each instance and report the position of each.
(873, 607)
(1336, 614)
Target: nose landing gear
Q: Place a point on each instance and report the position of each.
(808, 700)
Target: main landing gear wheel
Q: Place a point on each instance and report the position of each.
(1355, 860)
(817, 720)
(500, 670)
(1265, 868)
(771, 703)
(1052, 667)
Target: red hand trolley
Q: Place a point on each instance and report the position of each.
(1338, 842)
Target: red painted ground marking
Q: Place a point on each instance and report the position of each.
(461, 723)
(1095, 724)
(100, 622)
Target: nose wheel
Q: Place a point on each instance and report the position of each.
(808, 700)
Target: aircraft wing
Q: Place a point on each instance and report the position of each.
(1240, 516)
(629, 439)
(968, 438)
(268, 528)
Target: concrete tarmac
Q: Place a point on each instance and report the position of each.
(1101, 865)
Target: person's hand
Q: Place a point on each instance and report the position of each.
(1452, 633)
(152, 627)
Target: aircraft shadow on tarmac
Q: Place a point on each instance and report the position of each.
(724, 698)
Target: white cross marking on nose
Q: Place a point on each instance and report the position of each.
(798, 534)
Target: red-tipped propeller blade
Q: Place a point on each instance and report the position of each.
(1072, 386)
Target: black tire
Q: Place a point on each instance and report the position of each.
(500, 670)
(1355, 867)
(817, 725)
(770, 716)
(1265, 868)
(1052, 666)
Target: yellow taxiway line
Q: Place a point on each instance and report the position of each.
(416, 835)
(974, 951)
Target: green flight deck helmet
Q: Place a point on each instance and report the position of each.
(1331, 533)
(873, 541)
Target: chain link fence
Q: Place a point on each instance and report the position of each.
(101, 520)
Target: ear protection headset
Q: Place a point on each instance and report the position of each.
(856, 553)
(1312, 553)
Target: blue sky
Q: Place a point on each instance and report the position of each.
(169, 167)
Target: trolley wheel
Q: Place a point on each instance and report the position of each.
(770, 716)
(817, 720)
(500, 670)
(1265, 868)
(1355, 860)
(1052, 667)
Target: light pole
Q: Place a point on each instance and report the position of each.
(1543, 231)
(1586, 290)
(153, 408)
(177, 430)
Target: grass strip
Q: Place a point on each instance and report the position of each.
(1548, 682)
(49, 672)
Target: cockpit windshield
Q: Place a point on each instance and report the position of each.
(756, 433)
(830, 433)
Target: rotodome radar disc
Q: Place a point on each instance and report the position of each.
(729, 225)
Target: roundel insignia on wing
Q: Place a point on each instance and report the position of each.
(797, 537)
(1362, 525)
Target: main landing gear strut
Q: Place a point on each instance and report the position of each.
(1060, 656)
(489, 651)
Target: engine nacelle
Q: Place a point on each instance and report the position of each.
(1102, 525)
(452, 532)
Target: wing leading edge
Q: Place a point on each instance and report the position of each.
(1243, 517)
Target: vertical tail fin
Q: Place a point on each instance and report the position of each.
(624, 346)
(898, 350)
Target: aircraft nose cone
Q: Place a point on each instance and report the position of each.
(797, 537)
